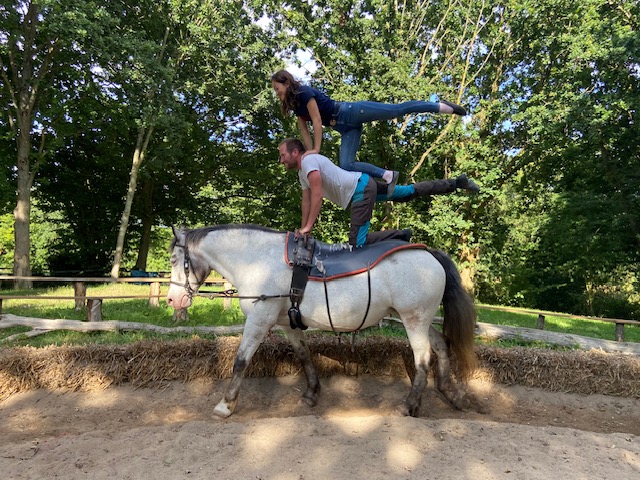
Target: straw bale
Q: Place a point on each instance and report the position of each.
(150, 362)
(583, 372)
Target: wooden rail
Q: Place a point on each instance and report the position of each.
(620, 322)
(93, 303)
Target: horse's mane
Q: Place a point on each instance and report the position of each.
(195, 236)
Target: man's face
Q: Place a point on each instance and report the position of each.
(289, 160)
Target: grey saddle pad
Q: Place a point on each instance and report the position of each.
(337, 260)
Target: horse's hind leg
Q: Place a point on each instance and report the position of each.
(453, 395)
(299, 343)
(417, 331)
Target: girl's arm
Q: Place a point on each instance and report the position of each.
(316, 122)
(304, 133)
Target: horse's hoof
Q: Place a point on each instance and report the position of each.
(410, 411)
(308, 400)
(477, 405)
(222, 411)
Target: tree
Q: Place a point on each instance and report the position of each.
(566, 121)
(200, 57)
(42, 42)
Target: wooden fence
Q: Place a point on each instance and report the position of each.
(93, 303)
(620, 323)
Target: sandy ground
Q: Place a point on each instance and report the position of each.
(168, 432)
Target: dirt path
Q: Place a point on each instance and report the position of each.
(168, 432)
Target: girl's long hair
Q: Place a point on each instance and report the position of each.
(290, 101)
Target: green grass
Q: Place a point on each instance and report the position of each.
(203, 312)
(210, 312)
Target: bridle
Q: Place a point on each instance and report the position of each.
(230, 293)
(191, 292)
(187, 267)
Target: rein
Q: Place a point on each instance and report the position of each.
(231, 293)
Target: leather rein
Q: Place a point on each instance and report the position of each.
(232, 292)
(229, 293)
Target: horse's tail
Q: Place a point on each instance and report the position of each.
(459, 316)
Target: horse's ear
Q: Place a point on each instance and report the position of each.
(178, 234)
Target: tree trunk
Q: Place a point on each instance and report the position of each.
(147, 223)
(22, 212)
(23, 87)
(468, 272)
(141, 145)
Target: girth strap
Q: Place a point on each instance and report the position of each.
(303, 256)
(366, 313)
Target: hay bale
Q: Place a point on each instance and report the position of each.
(149, 362)
(562, 371)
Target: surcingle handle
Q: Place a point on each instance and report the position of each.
(303, 255)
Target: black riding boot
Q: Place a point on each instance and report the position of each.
(439, 187)
(374, 237)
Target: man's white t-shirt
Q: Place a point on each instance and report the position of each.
(338, 185)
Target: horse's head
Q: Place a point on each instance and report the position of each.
(188, 271)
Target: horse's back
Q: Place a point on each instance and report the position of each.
(406, 281)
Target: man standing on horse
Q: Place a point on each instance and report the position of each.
(320, 178)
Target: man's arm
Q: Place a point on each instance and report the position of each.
(311, 202)
(306, 204)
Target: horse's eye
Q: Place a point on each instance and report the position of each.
(173, 259)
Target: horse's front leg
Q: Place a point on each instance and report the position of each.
(252, 337)
(299, 343)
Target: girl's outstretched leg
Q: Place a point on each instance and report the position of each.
(349, 144)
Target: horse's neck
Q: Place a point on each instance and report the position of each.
(236, 253)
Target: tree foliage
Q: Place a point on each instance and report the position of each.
(552, 136)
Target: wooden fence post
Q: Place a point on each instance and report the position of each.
(619, 332)
(154, 300)
(80, 292)
(540, 324)
(94, 309)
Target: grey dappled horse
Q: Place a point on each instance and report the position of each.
(411, 282)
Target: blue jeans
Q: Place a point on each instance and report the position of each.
(351, 117)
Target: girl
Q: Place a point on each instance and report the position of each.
(311, 105)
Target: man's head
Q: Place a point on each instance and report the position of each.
(291, 151)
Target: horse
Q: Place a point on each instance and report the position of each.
(410, 282)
